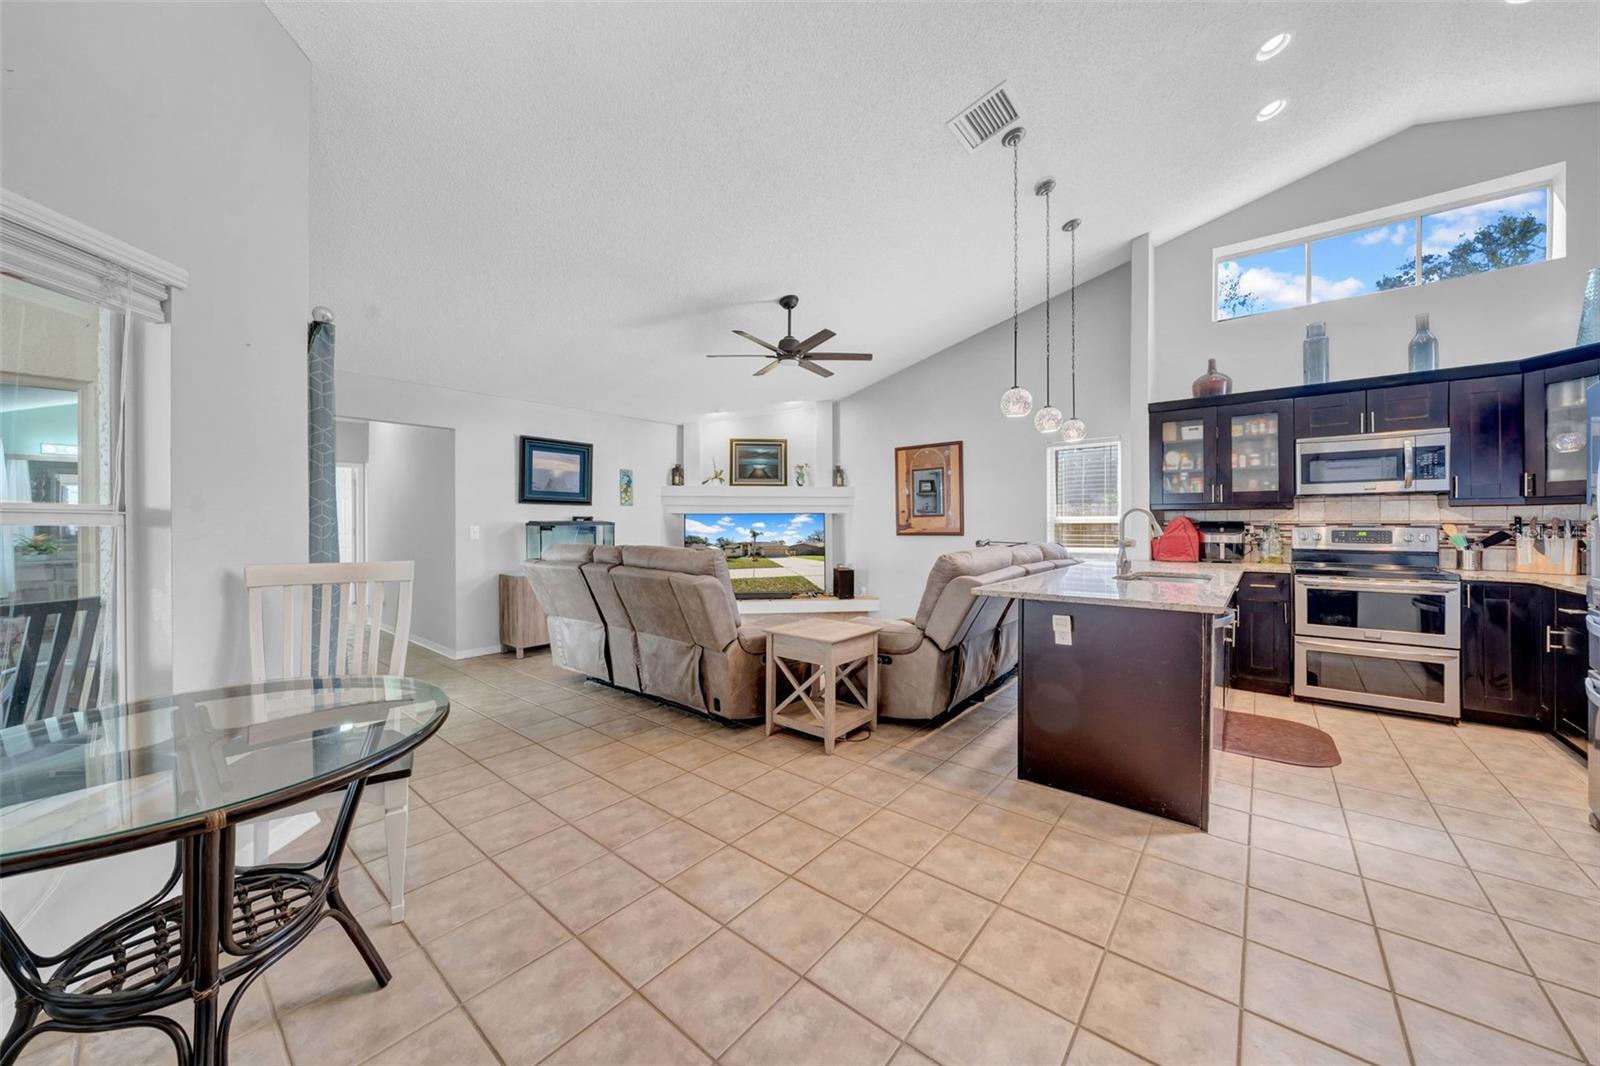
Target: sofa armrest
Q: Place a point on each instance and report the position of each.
(753, 639)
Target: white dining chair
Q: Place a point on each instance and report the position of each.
(318, 641)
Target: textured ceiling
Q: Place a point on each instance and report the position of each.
(573, 202)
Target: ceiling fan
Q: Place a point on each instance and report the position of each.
(797, 352)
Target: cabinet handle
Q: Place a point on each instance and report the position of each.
(1549, 635)
(1527, 483)
(1572, 610)
(1455, 485)
(1363, 422)
(1372, 416)
(1285, 612)
(1468, 590)
(1258, 585)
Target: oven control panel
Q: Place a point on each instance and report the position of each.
(1368, 538)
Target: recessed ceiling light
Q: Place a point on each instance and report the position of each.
(1516, 1)
(1279, 42)
(1272, 110)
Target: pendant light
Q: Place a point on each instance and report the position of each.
(1073, 430)
(1016, 401)
(1049, 418)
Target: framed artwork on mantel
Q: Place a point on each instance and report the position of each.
(929, 490)
(554, 471)
(758, 462)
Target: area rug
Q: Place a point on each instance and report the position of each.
(1263, 737)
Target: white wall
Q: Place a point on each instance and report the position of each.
(955, 395)
(411, 476)
(1488, 317)
(486, 430)
(184, 129)
(808, 427)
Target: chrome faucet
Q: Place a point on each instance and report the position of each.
(1124, 543)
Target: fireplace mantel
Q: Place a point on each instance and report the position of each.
(817, 499)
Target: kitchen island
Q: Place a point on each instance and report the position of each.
(1119, 696)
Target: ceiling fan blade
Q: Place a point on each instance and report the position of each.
(815, 369)
(740, 355)
(769, 368)
(855, 357)
(815, 339)
(758, 340)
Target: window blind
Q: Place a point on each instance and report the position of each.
(1086, 494)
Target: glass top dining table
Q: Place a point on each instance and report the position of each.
(120, 777)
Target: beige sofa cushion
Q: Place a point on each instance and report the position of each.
(952, 565)
(896, 636)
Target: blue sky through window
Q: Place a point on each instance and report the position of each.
(772, 528)
(1351, 263)
(1266, 281)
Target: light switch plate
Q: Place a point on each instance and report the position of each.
(1062, 625)
(474, 533)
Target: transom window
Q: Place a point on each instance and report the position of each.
(1084, 483)
(1493, 227)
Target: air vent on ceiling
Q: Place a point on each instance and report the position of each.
(991, 113)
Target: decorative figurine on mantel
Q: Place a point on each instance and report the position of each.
(1212, 383)
(800, 474)
(838, 477)
(677, 473)
(716, 475)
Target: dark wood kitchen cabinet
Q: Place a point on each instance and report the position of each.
(1394, 407)
(1555, 430)
(1566, 642)
(1486, 433)
(1503, 633)
(1424, 406)
(1239, 455)
(1338, 414)
(1263, 649)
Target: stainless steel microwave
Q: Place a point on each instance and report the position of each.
(1405, 461)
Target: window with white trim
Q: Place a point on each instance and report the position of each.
(1489, 227)
(1084, 488)
(67, 316)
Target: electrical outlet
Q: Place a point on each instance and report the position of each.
(474, 533)
(1061, 625)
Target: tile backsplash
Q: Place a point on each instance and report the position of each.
(1418, 509)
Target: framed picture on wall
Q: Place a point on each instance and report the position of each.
(758, 462)
(929, 490)
(554, 471)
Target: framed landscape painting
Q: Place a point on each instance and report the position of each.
(554, 471)
(758, 462)
(929, 490)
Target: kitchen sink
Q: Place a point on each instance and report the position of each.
(1148, 576)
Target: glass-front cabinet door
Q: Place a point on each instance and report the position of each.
(1183, 458)
(1556, 433)
(1255, 463)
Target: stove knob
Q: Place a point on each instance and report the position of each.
(1425, 537)
(1407, 538)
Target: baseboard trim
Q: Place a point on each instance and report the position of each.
(448, 653)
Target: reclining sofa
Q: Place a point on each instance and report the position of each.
(664, 622)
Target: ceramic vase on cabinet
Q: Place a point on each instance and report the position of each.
(1212, 383)
(1423, 353)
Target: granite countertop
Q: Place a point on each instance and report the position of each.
(1562, 582)
(1096, 582)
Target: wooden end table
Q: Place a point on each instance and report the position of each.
(838, 651)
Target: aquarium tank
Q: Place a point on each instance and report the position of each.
(543, 535)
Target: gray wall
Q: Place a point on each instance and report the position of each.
(955, 395)
(1503, 315)
(184, 129)
(411, 515)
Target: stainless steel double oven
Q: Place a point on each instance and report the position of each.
(1377, 623)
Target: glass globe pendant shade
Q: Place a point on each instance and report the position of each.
(1016, 402)
(1073, 430)
(1048, 419)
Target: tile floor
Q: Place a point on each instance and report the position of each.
(594, 878)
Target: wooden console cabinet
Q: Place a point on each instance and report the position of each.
(523, 624)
